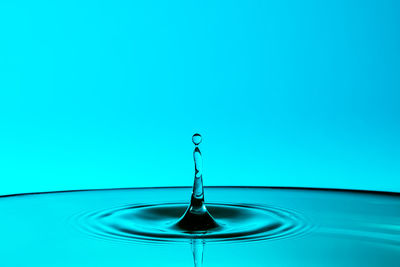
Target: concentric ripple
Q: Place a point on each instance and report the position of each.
(157, 222)
(137, 227)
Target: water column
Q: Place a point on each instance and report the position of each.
(196, 217)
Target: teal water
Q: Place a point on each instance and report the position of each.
(333, 228)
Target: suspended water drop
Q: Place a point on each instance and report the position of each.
(196, 138)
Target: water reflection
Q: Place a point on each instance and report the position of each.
(198, 251)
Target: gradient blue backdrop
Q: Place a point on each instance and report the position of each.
(98, 94)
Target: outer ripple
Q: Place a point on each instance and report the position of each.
(157, 223)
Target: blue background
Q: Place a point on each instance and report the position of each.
(98, 94)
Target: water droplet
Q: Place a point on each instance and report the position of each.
(196, 138)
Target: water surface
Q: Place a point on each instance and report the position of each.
(292, 227)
